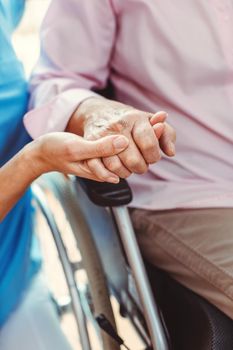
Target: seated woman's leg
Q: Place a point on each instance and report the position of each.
(194, 246)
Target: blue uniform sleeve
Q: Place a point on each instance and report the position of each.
(13, 11)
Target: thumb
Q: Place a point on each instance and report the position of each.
(104, 147)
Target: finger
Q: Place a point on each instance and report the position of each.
(78, 172)
(158, 129)
(167, 140)
(144, 137)
(98, 169)
(82, 170)
(115, 165)
(104, 147)
(158, 117)
(132, 159)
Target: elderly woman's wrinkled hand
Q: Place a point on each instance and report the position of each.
(148, 134)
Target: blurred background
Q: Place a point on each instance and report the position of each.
(27, 46)
(26, 38)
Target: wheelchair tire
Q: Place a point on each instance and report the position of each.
(65, 192)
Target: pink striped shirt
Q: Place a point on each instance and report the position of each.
(160, 55)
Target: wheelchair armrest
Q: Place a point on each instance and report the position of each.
(105, 194)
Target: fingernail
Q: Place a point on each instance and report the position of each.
(120, 142)
(162, 112)
(114, 180)
(172, 148)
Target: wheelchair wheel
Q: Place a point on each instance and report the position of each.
(91, 262)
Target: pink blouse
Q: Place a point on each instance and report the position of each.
(167, 55)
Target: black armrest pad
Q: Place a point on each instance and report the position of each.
(105, 194)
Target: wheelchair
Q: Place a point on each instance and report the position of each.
(165, 315)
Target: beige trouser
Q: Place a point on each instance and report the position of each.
(194, 246)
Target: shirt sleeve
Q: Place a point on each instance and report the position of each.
(77, 39)
(13, 11)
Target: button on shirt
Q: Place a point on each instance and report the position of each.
(159, 55)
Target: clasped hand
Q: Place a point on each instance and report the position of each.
(148, 136)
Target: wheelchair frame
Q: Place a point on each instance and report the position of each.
(115, 197)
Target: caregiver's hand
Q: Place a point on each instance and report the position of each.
(64, 152)
(148, 134)
(68, 153)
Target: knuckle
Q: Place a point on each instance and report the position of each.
(137, 165)
(115, 125)
(125, 175)
(142, 170)
(69, 150)
(124, 172)
(92, 164)
(154, 158)
(100, 149)
(149, 147)
(136, 114)
(134, 163)
(113, 165)
(119, 125)
(97, 171)
(141, 129)
(156, 154)
(90, 137)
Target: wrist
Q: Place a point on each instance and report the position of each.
(32, 160)
(82, 113)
